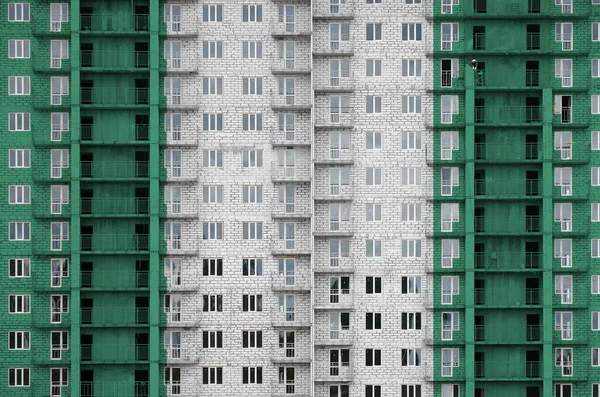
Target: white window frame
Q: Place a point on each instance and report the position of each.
(212, 230)
(450, 251)
(212, 49)
(564, 34)
(411, 212)
(252, 122)
(252, 49)
(173, 198)
(563, 177)
(59, 232)
(374, 67)
(411, 176)
(212, 13)
(563, 286)
(563, 322)
(59, 50)
(59, 160)
(212, 194)
(172, 53)
(173, 235)
(172, 17)
(59, 87)
(59, 269)
(450, 288)
(59, 14)
(19, 340)
(450, 323)
(373, 176)
(412, 31)
(563, 358)
(173, 87)
(19, 231)
(595, 285)
(373, 212)
(563, 249)
(412, 248)
(374, 31)
(19, 121)
(374, 248)
(450, 34)
(173, 271)
(19, 49)
(174, 162)
(59, 196)
(411, 104)
(374, 140)
(449, 106)
(19, 194)
(19, 304)
(18, 377)
(19, 268)
(59, 304)
(563, 70)
(18, 12)
(252, 13)
(450, 360)
(173, 122)
(412, 68)
(252, 230)
(212, 121)
(19, 85)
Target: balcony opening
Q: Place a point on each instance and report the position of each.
(141, 127)
(532, 110)
(479, 255)
(479, 328)
(533, 37)
(87, 128)
(533, 6)
(87, 196)
(479, 292)
(87, 305)
(478, 38)
(532, 292)
(446, 72)
(141, 383)
(532, 218)
(531, 147)
(87, 88)
(141, 18)
(86, 388)
(480, 184)
(141, 237)
(142, 267)
(532, 73)
(87, 272)
(87, 14)
(87, 159)
(142, 340)
(142, 195)
(141, 164)
(479, 392)
(480, 75)
(87, 345)
(480, 148)
(562, 106)
(479, 110)
(532, 255)
(141, 309)
(532, 361)
(141, 91)
(480, 6)
(479, 364)
(532, 183)
(141, 55)
(87, 234)
(532, 391)
(479, 220)
(533, 327)
(87, 55)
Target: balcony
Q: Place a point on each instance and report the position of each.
(338, 46)
(290, 65)
(114, 243)
(508, 261)
(111, 354)
(498, 116)
(335, 264)
(114, 389)
(114, 207)
(333, 156)
(294, 318)
(334, 228)
(331, 11)
(292, 26)
(533, 369)
(290, 173)
(114, 24)
(114, 61)
(334, 117)
(500, 298)
(290, 101)
(298, 136)
(340, 82)
(488, 225)
(335, 338)
(114, 281)
(335, 372)
(117, 135)
(123, 317)
(506, 154)
(574, 153)
(291, 245)
(289, 208)
(112, 171)
(114, 98)
(503, 335)
(291, 353)
(335, 299)
(492, 188)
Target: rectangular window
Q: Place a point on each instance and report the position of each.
(449, 361)
(373, 248)
(173, 89)
(563, 358)
(252, 86)
(18, 12)
(18, 49)
(252, 49)
(563, 213)
(18, 304)
(411, 32)
(173, 126)
(19, 85)
(450, 288)
(563, 286)
(19, 267)
(212, 85)
(411, 176)
(373, 140)
(450, 251)
(373, 285)
(59, 160)
(19, 194)
(252, 158)
(412, 390)
(595, 285)
(252, 339)
(595, 31)
(212, 13)
(18, 340)
(212, 122)
(372, 357)
(564, 34)
(374, 32)
(59, 124)
(252, 267)
(411, 285)
(411, 248)
(252, 375)
(595, 321)
(59, 269)
(18, 377)
(411, 104)
(374, 67)
(59, 304)
(252, 194)
(374, 104)
(563, 69)
(449, 144)
(212, 194)
(172, 17)
(252, 303)
(19, 122)
(411, 140)
(595, 67)
(212, 158)
(595, 357)
(450, 216)
(212, 230)
(252, 13)
(450, 107)
(373, 320)
(173, 380)
(59, 13)
(59, 50)
(338, 32)
(173, 271)
(212, 303)
(411, 358)
(373, 212)
(19, 231)
(59, 87)
(59, 233)
(172, 199)
(595, 386)
(373, 176)
(563, 322)
(411, 212)
(212, 267)
(252, 122)
(212, 49)
(212, 339)
(252, 230)
(173, 53)
(450, 323)
(411, 321)
(212, 375)
(411, 68)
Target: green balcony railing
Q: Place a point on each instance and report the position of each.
(122, 353)
(499, 298)
(508, 225)
(479, 369)
(509, 335)
(532, 369)
(114, 23)
(507, 115)
(104, 317)
(114, 389)
(109, 243)
(113, 96)
(114, 60)
(114, 169)
(114, 206)
(114, 135)
(506, 153)
(507, 188)
(507, 260)
(100, 280)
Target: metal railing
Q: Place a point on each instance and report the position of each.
(114, 280)
(114, 206)
(113, 96)
(114, 169)
(114, 353)
(114, 242)
(114, 60)
(105, 317)
(114, 23)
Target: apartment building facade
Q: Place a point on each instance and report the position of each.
(300, 198)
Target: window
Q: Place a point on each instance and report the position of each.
(286, 198)
(374, 31)
(212, 13)
(173, 232)
(373, 320)
(595, 285)
(59, 50)
(287, 233)
(373, 357)
(252, 158)
(212, 230)
(59, 304)
(595, 357)
(595, 248)
(59, 13)
(373, 285)
(450, 178)
(411, 321)
(19, 85)
(338, 358)
(59, 159)
(595, 31)
(450, 288)
(411, 140)
(173, 344)
(339, 108)
(374, 67)
(450, 323)
(563, 358)
(212, 267)
(563, 142)
(595, 104)
(59, 124)
(563, 286)
(286, 125)
(251, 375)
(212, 339)
(18, 49)
(411, 32)
(411, 104)
(563, 322)
(212, 194)
(339, 249)
(252, 121)
(411, 285)
(252, 194)
(18, 12)
(449, 144)
(373, 176)
(212, 303)
(287, 307)
(252, 13)
(212, 158)
(286, 54)
(173, 53)
(59, 86)
(19, 194)
(411, 357)
(411, 176)
(173, 380)
(373, 212)
(449, 361)
(563, 213)
(173, 307)
(59, 269)
(450, 215)
(252, 303)
(411, 248)
(411, 212)
(252, 230)
(449, 390)
(563, 69)
(173, 271)
(564, 34)
(172, 86)
(212, 49)
(339, 391)
(449, 35)
(173, 126)
(595, 386)
(252, 49)
(252, 339)
(212, 85)
(412, 390)
(373, 249)
(252, 267)
(338, 32)
(19, 231)
(173, 18)
(339, 70)
(563, 177)
(19, 122)
(18, 304)
(595, 321)
(339, 216)
(373, 140)
(450, 251)
(449, 108)
(172, 199)
(595, 67)
(252, 86)
(595, 176)
(411, 68)
(18, 340)
(212, 122)
(374, 104)
(19, 267)
(18, 377)
(338, 177)
(59, 233)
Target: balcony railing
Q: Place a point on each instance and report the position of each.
(493, 187)
(507, 115)
(299, 171)
(107, 243)
(508, 260)
(114, 23)
(498, 297)
(114, 60)
(102, 280)
(114, 389)
(503, 334)
(114, 135)
(507, 153)
(508, 225)
(114, 206)
(114, 169)
(330, 117)
(114, 353)
(333, 10)
(109, 97)
(532, 369)
(104, 317)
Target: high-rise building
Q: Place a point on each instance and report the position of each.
(326, 198)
